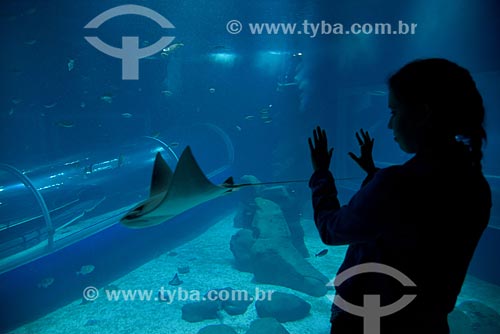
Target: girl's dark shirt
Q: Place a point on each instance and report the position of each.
(423, 218)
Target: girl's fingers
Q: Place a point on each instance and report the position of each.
(360, 142)
(366, 136)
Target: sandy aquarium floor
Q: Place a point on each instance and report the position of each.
(210, 261)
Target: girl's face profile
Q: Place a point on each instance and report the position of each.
(402, 125)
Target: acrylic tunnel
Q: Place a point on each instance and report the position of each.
(45, 208)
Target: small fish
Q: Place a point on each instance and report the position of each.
(174, 144)
(283, 86)
(45, 283)
(16, 101)
(66, 124)
(322, 253)
(71, 64)
(267, 121)
(49, 106)
(167, 93)
(266, 110)
(175, 281)
(11, 111)
(377, 93)
(238, 128)
(249, 117)
(212, 90)
(168, 50)
(288, 84)
(107, 98)
(126, 115)
(30, 42)
(85, 270)
(82, 105)
(155, 134)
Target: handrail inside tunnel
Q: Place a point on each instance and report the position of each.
(39, 199)
(85, 194)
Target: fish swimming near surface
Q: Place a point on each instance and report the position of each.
(65, 124)
(108, 98)
(85, 270)
(282, 86)
(50, 105)
(322, 253)
(377, 92)
(71, 64)
(168, 50)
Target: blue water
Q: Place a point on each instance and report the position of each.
(245, 103)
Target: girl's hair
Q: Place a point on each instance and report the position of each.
(451, 94)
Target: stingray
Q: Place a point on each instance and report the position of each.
(173, 193)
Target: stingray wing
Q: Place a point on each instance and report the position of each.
(187, 188)
(160, 181)
(162, 176)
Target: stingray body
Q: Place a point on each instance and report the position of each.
(172, 193)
